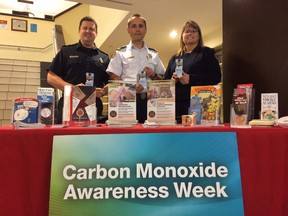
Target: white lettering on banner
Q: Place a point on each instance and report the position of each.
(146, 171)
(116, 193)
(187, 190)
(70, 172)
(210, 171)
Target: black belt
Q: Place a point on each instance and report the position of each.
(142, 95)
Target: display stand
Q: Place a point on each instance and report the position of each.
(160, 103)
(79, 105)
(121, 104)
(206, 104)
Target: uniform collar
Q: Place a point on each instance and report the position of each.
(80, 45)
(130, 46)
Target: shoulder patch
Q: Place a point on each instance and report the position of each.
(152, 49)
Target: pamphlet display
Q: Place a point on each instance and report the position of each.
(242, 107)
(239, 107)
(269, 106)
(46, 99)
(206, 104)
(161, 102)
(79, 105)
(121, 102)
(25, 110)
(251, 99)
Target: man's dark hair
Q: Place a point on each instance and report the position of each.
(89, 19)
(136, 16)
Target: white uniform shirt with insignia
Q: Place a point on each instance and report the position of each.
(130, 61)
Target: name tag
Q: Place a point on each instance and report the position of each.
(89, 79)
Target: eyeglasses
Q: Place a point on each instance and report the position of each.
(192, 30)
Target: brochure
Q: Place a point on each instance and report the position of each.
(206, 104)
(121, 102)
(269, 106)
(79, 105)
(161, 102)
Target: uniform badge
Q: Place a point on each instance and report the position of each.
(101, 60)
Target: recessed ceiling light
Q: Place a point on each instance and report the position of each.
(173, 34)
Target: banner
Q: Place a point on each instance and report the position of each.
(157, 174)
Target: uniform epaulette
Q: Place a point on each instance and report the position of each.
(118, 49)
(152, 49)
(121, 48)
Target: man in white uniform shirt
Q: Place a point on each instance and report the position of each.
(132, 59)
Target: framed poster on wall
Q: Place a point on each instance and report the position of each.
(19, 25)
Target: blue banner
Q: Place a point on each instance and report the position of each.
(157, 174)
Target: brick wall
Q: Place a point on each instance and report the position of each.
(17, 79)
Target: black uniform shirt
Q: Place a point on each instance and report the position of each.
(73, 62)
(203, 69)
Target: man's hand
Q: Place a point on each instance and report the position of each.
(100, 92)
(149, 72)
(139, 88)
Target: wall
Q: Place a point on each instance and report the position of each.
(100, 14)
(20, 57)
(21, 54)
(70, 23)
(255, 50)
(18, 78)
(15, 44)
(37, 46)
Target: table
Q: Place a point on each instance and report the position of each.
(25, 158)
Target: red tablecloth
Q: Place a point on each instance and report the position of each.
(25, 158)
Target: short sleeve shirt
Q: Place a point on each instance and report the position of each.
(73, 62)
(129, 61)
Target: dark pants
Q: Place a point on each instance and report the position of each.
(141, 108)
(59, 112)
(181, 109)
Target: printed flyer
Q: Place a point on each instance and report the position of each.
(161, 102)
(206, 104)
(121, 102)
(79, 105)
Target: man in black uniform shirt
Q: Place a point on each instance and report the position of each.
(72, 62)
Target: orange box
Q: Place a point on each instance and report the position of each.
(188, 120)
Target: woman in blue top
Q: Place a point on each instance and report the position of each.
(200, 66)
